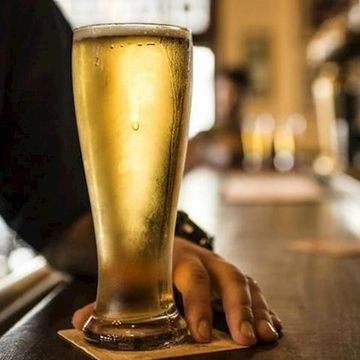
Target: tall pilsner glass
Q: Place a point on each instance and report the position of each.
(132, 87)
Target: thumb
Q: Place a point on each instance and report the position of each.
(80, 316)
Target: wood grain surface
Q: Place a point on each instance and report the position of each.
(317, 296)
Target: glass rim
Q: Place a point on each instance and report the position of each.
(130, 29)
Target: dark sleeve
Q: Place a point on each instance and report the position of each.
(42, 178)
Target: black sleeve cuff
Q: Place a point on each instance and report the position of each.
(187, 229)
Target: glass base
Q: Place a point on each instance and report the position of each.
(157, 332)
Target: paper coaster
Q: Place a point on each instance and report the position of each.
(220, 342)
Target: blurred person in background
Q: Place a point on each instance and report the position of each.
(43, 194)
(221, 145)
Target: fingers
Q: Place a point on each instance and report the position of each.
(266, 323)
(80, 316)
(192, 280)
(247, 312)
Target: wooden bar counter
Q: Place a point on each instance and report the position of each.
(315, 293)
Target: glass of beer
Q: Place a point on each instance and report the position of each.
(132, 88)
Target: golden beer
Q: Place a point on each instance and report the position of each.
(132, 86)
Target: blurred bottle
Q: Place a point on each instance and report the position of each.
(324, 90)
(257, 137)
(298, 125)
(284, 146)
(252, 145)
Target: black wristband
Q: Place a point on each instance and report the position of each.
(187, 229)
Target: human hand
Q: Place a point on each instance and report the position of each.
(198, 275)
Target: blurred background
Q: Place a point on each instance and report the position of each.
(293, 64)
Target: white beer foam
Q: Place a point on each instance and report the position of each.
(103, 30)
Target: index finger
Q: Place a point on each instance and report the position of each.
(192, 280)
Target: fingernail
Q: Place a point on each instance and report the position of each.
(278, 324)
(204, 330)
(267, 326)
(247, 330)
